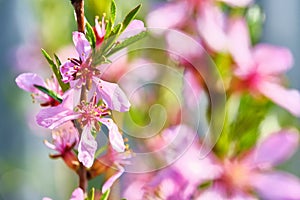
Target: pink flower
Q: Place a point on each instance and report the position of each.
(65, 137)
(259, 68)
(89, 114)
(99, 31)
(253, 172)
(111, 93)
(180, 179)
(26, 81)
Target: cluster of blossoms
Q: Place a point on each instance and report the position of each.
(254, 69)
(78, 102)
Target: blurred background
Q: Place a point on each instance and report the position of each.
(25, 170)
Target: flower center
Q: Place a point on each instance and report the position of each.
(91, 112)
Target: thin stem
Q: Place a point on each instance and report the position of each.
(79, 10)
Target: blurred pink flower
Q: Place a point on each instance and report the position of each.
(253, 172)
(90, 114)
(65, 137)
(259, 68)
(179, 180)
(183, 13)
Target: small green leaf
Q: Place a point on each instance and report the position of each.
(130, 16)
(113, 12)
(117, 29)
(90, 35)
(91, 195)
(55, 70)
(57, 60)
(105, 195)
(127, 42)
(49, 92)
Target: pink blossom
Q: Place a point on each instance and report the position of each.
(89, 114)
(99, 31)
(259, 68)
(64, 138)
(180, 179)
(253, 172)
(111, 93)
(26, 81)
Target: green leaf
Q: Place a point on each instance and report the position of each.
(130, 16)
(91, 195)
(57, 60)
(49, 92)
(113, 12)
(55, 70)
(90, 35)
(105, 195)
(127, 42)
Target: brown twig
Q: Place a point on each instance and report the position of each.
(79, 10)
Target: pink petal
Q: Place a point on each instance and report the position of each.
(271, 59)
(100, 30)
(135, 27)
(276, 186)
(112, 179)
(27, 80)
(286, 98)
(239, 40)
(115, 137)
(112, 95)
(191, 89)
(169, 15)
(67, 71)
(238, 3)
(87, 147)
(82, 45)
(211, 25)
(276, 149)
(54, 116)
(46, 198)
(77, 194)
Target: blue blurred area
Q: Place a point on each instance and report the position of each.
(282, 28)
(18, 147)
